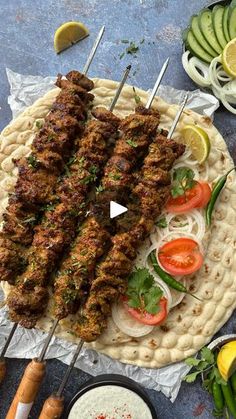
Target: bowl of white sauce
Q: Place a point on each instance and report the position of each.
(111, 396)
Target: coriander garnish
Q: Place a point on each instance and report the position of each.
(162, 222)
(32, 161)
(143, 293)
(183, 179)
(132, 143)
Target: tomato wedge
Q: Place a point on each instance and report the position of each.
(206, 195)
(196, 197)
(145, 317)
(180, 256)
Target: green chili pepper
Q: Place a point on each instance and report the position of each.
(217, 396)
(168, 279)
(214, 195)
(233, 382)
(229, 398)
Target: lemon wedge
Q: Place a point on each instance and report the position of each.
(197, 140)
(68, 34)
(229, 58)
(226, 360)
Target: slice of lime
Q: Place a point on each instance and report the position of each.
(198, 141)
(229, 58)
(68, 34)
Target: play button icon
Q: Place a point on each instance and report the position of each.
(116, 209)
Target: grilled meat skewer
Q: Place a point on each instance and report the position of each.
(29, 297)
(78, 268)
(150, 194)
(38, 173)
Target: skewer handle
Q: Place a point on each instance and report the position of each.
(3, 369)
(52, 408)
(27, 390)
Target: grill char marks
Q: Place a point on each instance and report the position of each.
(38, 173)
(78, 269)
(151, 191)
(29, 297)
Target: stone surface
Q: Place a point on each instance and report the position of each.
(26, 39)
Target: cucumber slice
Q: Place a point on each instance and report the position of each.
(225, 23)
(194, 47)
(217, 19)
(206, 26)
(199, 36)
(232, 20)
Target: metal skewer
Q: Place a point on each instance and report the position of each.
(35, 371)
(157, 84)
(2, 354)
(93, 50)
(177, 117)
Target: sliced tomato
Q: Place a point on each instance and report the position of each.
(147, 318)
(196, 197)
(180, 256)
(206, 195)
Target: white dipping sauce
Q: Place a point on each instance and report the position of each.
(110, 402)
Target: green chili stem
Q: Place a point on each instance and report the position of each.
(214, 195)
(168, 279)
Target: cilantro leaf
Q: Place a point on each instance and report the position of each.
(192, 362)
(142, 291)
(183, 179)
(137, 98)
(190, 378)
(151, 299)
(32, 161)
(132, 143)
(207, 355)
(162, 222)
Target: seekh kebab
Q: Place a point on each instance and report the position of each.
(38, 173)
(150, 195)
(78, 269)
(29, 297)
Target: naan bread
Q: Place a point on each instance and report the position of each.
(192, 324)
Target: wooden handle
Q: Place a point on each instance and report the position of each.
(3, 369)
(27, 390)
(52, 408)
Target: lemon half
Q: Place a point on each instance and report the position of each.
(68, 34)
(197, 140)
(226, 360)
(229, 58)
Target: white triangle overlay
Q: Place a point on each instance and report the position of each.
(116, 209)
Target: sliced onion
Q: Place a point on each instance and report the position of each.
(192, 67)
(127, 324)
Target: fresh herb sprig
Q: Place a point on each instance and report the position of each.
(212, 382)
(32, 161)
(183, 179)
(161, 223)
(142, 292)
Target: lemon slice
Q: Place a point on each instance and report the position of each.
(68, 34)
(198, 141)
(229, 58)
(226, 360)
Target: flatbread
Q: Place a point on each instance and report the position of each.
(192, 324)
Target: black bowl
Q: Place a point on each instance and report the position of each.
(113, 379)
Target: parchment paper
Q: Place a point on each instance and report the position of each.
(24, 90)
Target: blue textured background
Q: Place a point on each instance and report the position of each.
(26, 44)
